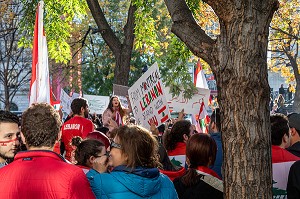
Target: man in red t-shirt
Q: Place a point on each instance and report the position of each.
(76, 126)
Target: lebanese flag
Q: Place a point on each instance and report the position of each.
(199, 78)
(40, 82)
(200, 82)
(202, 111)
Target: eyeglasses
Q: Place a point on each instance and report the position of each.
(99, 156)
(115, 145)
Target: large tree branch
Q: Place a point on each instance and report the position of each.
(105, 30)
(293, 60)
(284, 32)
(223, 9)
(187, 29)
(129, 27)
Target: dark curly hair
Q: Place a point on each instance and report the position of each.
(85, 149)
(40, 125)
(9, 117)
(139, 145)
(77, 104)
(174, 136)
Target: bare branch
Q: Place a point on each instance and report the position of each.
(284, 32)
(107, 33)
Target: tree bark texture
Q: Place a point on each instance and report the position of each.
(296, 105)
(121, 50)
(238, 58)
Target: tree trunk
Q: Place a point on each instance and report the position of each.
(293, 61)
(238, 59)
(243, 93)
(121, 50)
(121, 72)
(296, 105)
(6, 90)
(7, 102)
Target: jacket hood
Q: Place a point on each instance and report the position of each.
(144, 182)
(216, 136)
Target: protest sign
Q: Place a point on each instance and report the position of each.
(74, 95)
(97, 104)
(121, 92)
(147, 97)
(65, 102)
(190, 106)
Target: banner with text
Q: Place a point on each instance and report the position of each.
(148, 100)
(65, 102)
(97, 104)
(190, 106)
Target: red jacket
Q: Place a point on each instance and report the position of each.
(42, 174)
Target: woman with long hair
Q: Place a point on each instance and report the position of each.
(116, 112)
(175, 141)
(134, 158)
(200, 181)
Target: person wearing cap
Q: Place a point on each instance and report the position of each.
(294, 123)
(281, 158)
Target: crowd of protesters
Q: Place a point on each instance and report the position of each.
(279, 103)
(87, 156)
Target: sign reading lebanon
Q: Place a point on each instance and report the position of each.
(147, 98)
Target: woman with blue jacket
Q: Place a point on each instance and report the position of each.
(134, 159)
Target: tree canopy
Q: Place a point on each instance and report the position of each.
(284, 44)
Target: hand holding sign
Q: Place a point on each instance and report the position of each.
(147, 97)
(153, 129)
(181, 115)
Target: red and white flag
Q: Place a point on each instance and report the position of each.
(199, 77)
(200, 82)
(40, 82)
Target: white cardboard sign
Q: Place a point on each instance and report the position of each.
(65, 101)
(148, 100)
(190, 106)
(97, 104)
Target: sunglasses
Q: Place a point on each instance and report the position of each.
(115, 145)
(99, 156)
